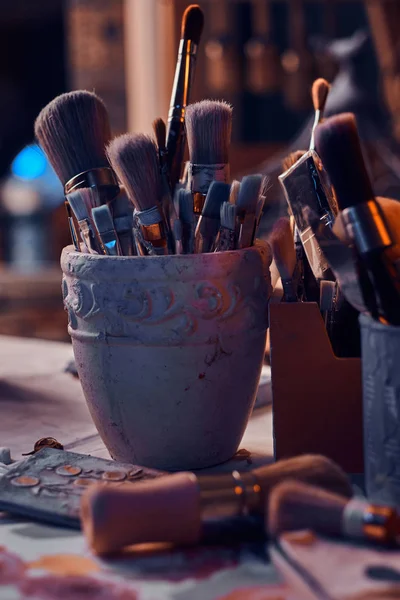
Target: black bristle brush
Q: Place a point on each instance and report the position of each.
(191, 30)
(338, 144)
(208, 129)
(73, 130)
(209, 222)
(134, 157)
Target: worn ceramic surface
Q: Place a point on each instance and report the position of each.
(169, 350)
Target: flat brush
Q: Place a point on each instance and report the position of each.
(235, 186)
(176, 508)
(81, 202)
(192, 27)
(246, 208)
(294, 505)
(208, 128)
(186, 217)
(284, 253)
(122, 214)
(265, 187)
(226, 237)
(338, 144)
(160, 130)
(135, 160)
(209, 222)
(104, 224)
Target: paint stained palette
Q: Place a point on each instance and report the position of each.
(48, 485)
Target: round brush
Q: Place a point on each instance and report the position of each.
(208, 129)
(135, 160)
(295, 505)
(73, 130)
(319, 93)
(284, 253)
(174, 508)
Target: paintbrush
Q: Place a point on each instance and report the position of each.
(73, 130)
(284, 253)
(294, 505)
(122, 214)
(208, 128)
(338, 144)
(292, 158)
(135, 160)
(265, 187)
(246, 208)
(81, 202)
(168, 207)
(186, 217)
(192, 27)
(104, 224)
(176, 508)
(209, 222)
(319, 93)
(235, 186)
(226, 237)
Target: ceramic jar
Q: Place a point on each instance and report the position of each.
(169, 350)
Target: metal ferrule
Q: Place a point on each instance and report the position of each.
(363, 520)
(102, 177)
(365, 225)
(202, 176)
(87, 235)
(237, 494)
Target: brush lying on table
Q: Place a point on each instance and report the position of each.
(295, 505)
(177, 508)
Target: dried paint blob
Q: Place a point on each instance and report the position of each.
(25, 481)
(303, 537)
(74, 588)
(85, 482)
(68, 471)
(65, 564)
(114, 476)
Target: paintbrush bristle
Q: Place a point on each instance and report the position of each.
(235, 187)
(73, 130)
(319, 93)
(134, 158)
(218, 193)
(283, 250)
(291, 159)
(192, 23)
(208, 128)
(294, 505)
(82, 201)
(338, 144)
(160, 132)
(249, 194)
(228, 216)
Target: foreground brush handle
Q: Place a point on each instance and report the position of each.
(173, 509)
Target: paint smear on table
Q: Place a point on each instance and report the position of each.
(267, 592)
(74, 588)
(12, 568)
(65, 564)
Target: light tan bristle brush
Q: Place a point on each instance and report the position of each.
(174, 508)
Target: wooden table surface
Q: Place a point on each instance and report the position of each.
(39, 399)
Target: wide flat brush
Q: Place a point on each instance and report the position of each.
(338, 144)
(208, 128)
(192, 27)
(176, 508)
(284, 253)
(246, 208)
(82, 201)
(104, 224)
(209, 222)
(294, 505)
(135, 160)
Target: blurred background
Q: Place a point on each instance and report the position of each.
(261, 55)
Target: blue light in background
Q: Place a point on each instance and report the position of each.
(30, 163)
